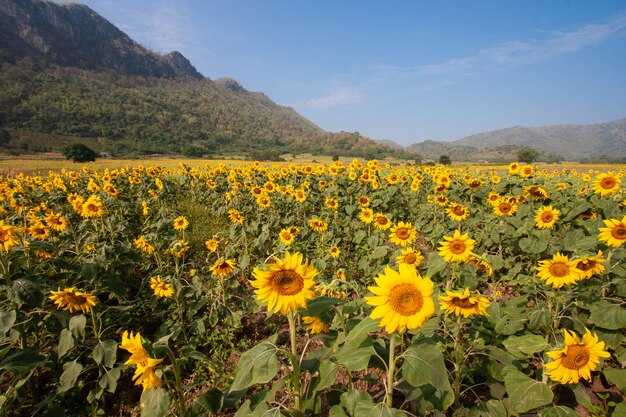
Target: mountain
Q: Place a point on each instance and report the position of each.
(566, 142)
(72, 34)
(69, 75)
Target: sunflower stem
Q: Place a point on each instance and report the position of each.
(391, 370)
(294, 360)
(458, 361)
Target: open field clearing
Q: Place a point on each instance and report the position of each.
(202, 287)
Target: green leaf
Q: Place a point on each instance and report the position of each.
(510, 324)
(379, 252)
(257, 366)
(607, 315)
(424, 364)
(22, 360)
(7, 318)
(337, 411)
(328, 371)
(369, 409)
(320, 306)
(620, 410)
(557, 411)
(66, 343)
(579, 209)
(90, 271)
(491, 408)
(207, 403)
(155, 403)
(77, 326)
(616, 377)
(350, 399)
(525, 393)
(108, 380)
(105, 353)
(26, 291)
(71, 371)
(525, 346)
(355, 358)
(533, 245)
(435, 264)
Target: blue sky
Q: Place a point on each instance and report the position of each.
(404, 70)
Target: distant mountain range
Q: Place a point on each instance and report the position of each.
(69, 75)
(562, 142)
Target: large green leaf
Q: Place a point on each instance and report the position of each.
(355, 358)
(557, 411)
(616, 377)
(525, 346)
(350, 399)
(491, 408)
(77, 326)
(369, 409)
(207, 403)
(533, 244)
(257, 366)
(607, 315)
(525, 393)
(22, 360)
(620, 410)
(7, 318)
(105, 353)
(66, 343)
(71, 371)
(327, 373)
(155, 402)
(108, 380)
(424, 364)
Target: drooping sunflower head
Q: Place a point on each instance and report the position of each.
(403, 234)
(160, 287)
(576, 359)
(464, 304)
(315, 325)
(536, 192)
(606, 183)
(614, 234)
(286, 284)
(590, 265)
(481, 263)
(456, 248)
(72, 300)
(558, 271)
(402, 300)
(546, 217)
(318, 225)
(223, 268)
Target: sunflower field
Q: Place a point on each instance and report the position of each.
(344, 289)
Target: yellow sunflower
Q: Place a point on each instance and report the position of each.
(402, 300)
(72, 300)
(235, 216)
(334, 252)
(464, 304)
(381, 221)
(56, 222)
(366, 215)
(481, 263)
(212, 244)
(456, 248)
(332, 203)
(223, 267)
(39, 231)
(576, 359)
(160, 287)
(318, 225)
(180, 223)
(546, 217)
(590, 265)
(403, 234)
(558, 271)
(144, 374)
(504, 207)
(410, 257)
(606, 184)
(286, 285)
(315, 325)
(92, 207)
(614, 234)
(457, 212)
(286, 236)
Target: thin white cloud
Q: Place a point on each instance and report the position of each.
(339, 97)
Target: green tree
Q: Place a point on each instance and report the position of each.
(445, 160)
(527, 154)
(78, 152)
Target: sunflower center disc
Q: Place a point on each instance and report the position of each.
(288, 282)
(505, 207)
(406, 299)
(457, 247)
(462, 302)
(607, 183)
(402, 233)
(410, 258)
(458, 211)
(619, 232)
(559, 269)
(547, 217)
(74, 300)
(577, 357)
